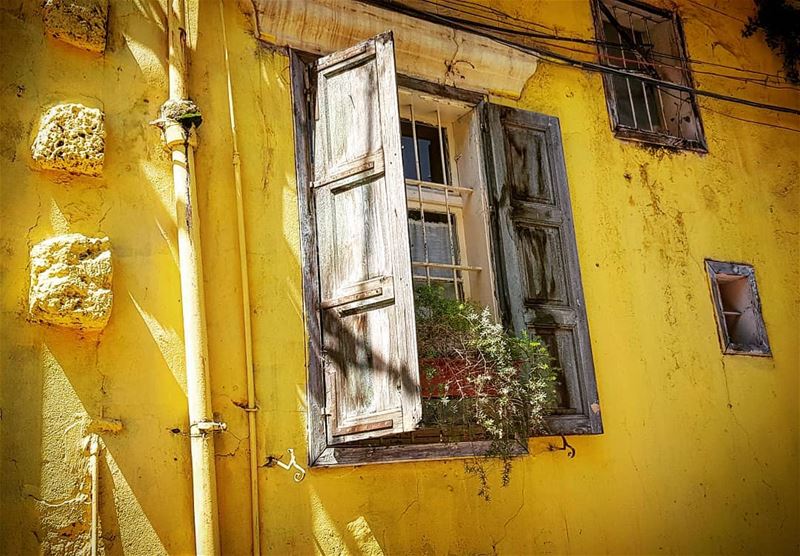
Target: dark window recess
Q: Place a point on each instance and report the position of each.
(430, 154)
(647, 42)
(738, 308)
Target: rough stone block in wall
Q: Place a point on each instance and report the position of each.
(71, 137)
(71, 282)
(81, 23)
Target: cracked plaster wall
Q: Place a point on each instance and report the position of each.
(696, 457)
(53, 377)
(700, 453)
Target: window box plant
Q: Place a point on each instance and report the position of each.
(476, 374)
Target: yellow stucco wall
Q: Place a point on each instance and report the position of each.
(700, 453)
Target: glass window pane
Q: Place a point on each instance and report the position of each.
(639, 105)
(448, 286)
(653, 103)
(430, 155)
(614, 53)
(624, 111)
(438, 241)
(424, 147)
(409, 164)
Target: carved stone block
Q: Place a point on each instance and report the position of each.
(81, 23)
(71, 282)
(71, 137)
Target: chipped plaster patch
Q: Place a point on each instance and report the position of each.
(81, 23)
(71, 137)
(71, 282)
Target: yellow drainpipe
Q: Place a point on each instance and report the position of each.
(248, 337)
(181, 141)
(93, 446)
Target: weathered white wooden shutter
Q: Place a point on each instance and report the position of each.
(366, 295)
(537, 255)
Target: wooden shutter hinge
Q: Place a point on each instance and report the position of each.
(307, 89)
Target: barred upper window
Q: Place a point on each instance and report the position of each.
(644, 41)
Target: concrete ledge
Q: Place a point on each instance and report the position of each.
(423, 49)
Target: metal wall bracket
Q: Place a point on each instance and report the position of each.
(206, 427)
(300, 474)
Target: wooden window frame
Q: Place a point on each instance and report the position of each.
(746, 271)
(620, 131)
(320, 453)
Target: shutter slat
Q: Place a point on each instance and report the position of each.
(366, 297)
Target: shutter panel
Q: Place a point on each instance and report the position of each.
(366, 297)
(537, 256)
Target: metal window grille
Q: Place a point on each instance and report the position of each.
(648, 43)
(436, 257)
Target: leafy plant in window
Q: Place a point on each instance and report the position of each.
(477, 376)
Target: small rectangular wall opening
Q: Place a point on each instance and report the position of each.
(738, 308)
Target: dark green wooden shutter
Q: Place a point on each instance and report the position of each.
(536, 255)
(366, 300)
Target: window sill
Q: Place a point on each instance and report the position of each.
(658, 140)
(335, 456)
(735, 349)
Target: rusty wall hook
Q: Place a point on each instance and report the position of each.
(565, 446)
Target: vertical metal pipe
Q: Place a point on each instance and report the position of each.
(181, 142)
(176, 31)
(248, 335)
(447, 203)
(94, 449)
(419, 196)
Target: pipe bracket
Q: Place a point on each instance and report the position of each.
(204, 428)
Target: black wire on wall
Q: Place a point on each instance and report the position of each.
(502, 21)
(478, 28)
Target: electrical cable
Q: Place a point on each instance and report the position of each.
(776, 126)
(753, 80)
(524, 24)
(590, 66)
(521, 30)
(716, 10)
